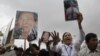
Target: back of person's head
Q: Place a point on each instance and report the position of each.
(43, 52)
(35, 46)
(19, 51)
(2, 50)
(90, 36)
(15, 48)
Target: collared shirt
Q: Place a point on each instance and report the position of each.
(87, 52)
(98, 47)
(65, 50)
(71, 50)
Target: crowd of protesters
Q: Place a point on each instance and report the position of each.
(58, 47)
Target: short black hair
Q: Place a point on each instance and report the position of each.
(43, 52)
(90, 36)
(34, 45)
(20, 49)
(20, 12)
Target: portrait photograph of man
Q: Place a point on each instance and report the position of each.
(26, 25)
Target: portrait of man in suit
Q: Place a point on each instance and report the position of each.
(26, 25)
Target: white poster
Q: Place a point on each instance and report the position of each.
(7, 32)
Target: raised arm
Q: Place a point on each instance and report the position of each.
(81, 38)
(55, 37)
(55, 46)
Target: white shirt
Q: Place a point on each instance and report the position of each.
(98, 46)
(87, 52)
(71, 50)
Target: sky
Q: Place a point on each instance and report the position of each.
(51, 15)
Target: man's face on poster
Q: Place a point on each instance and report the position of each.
(26, 21)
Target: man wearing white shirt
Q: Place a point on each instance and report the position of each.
(67, 48)
(91, 49)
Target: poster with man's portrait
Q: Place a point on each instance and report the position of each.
(26, 25)
(71, 10)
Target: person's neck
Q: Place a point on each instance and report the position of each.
(92, 50)
(68, 44)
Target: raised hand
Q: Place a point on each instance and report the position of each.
(79, 19)
(55, 37)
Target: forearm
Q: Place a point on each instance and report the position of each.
(80, 26)
(81, 37)
(81, 31)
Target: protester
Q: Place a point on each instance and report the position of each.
(91, 41)
(67, 48)
(19, 51)
(33, 50)
(8, 52)
(2, 50)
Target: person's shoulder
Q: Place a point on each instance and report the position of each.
(82, 51)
